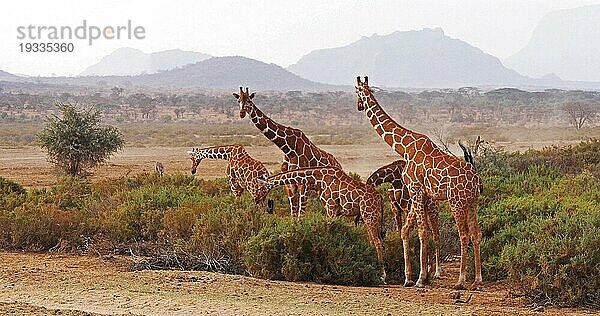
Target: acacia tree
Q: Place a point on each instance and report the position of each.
(580, 113)
(76, 141)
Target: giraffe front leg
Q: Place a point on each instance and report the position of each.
(396, 211)
(419, 210)
(236, 189)
(329, 203)
(405, 234)
(293, 197)
(374, 230)
(302, 199)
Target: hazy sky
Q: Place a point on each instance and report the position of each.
(274, 31)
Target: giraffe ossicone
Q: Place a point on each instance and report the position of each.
(429, 173)
(298, 150)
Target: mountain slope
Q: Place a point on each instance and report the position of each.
(565, 42)
(130, 61)
(229, 73)
(7, 76)
(425, 58)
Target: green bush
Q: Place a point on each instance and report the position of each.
(76, 141)
(539, 214)
(313, 248)
(49, 219)
(556, 259)
(545, 242)
(221, 230)
(12, 195)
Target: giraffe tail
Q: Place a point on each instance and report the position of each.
(467, 153)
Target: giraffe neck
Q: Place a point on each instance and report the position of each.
(219, 152)
(277, 133)
(398, 137)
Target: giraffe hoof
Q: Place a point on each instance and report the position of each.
(437, 275)
(476, 286)
(459, 286)
(419, 284)
(409, 283)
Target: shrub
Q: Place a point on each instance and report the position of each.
(221, 230)
(48, 219)
(554, 262)
(12, 195)
(546, 242)
(313, 248)
(75, 141)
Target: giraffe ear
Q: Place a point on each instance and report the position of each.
(252, 95)
(237, 96)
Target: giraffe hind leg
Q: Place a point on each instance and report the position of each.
(434, 224)
(475, 237)
(463, 234)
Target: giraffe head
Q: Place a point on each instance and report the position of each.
(363, 93)
(196, 159)
(244, 99)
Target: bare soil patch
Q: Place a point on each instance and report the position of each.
(28, 165)
(52, 284)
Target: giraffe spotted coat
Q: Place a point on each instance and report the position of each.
(429, 172)
(400, 200)
(243, 170)
(298, 150)
(341, 196)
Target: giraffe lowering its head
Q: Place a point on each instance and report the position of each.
(298, 150)
(243, 171)
(429, 172)
(342, 196)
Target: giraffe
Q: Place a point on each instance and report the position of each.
(298, 150)
(242, 170)
(158, 167)
(400, 199)
(342, 196)
(429, 172)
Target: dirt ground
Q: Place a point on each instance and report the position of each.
(28, 165)
(52, 284)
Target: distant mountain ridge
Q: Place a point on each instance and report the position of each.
(129, 62)
(231, 72)
(7, 76)
(425, 58)
(224, 73)
(566, 43)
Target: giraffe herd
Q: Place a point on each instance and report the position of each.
(423, 176)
